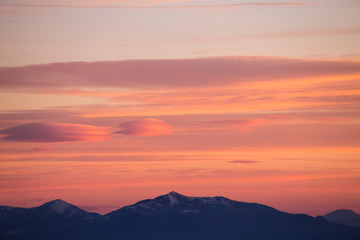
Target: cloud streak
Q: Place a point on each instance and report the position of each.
(171, 73)
(234, 5)
(243, 124)
(145, 127)
(243, 161)
(247, 4)
(54, 132)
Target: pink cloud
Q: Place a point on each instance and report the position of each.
(145, 127)
(170, 73)
(243, 124)
(54, 132)
(42, 149)
(331, 99)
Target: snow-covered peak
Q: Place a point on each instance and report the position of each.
(175, 194)
(58, 206)
(216, 201)
(173, 198)
(174, 201)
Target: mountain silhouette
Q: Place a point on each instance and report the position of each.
(168, 217)
(344, 216)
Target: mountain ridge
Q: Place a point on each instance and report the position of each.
(171, 216)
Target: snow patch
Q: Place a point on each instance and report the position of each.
(173, 199)
(59, 206)
(6, 208)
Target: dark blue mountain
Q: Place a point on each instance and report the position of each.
(169, 217)
(343, 216)
(53, 220)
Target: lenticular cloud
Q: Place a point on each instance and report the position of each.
(54, 132)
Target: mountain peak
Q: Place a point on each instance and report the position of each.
(173, 193)
(174, 197)
(57, 201)
(343, 212)
(343, 216)
(176, 202)
(58, 206)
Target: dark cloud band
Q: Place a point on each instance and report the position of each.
(182, 73)
(54, 132)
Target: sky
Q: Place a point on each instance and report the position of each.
(105, 103)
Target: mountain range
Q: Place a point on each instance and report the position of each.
(172, 217)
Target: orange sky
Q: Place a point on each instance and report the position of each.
(103, 118)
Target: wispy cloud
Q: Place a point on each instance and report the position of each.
(145, 127)
(308, 33)
(243, 161)
(171, 73)
(243, 124)
(234, 5)
(246, 4)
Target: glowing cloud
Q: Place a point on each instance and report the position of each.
(54, 132)
(145, 127)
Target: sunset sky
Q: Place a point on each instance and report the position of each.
(107, 102)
